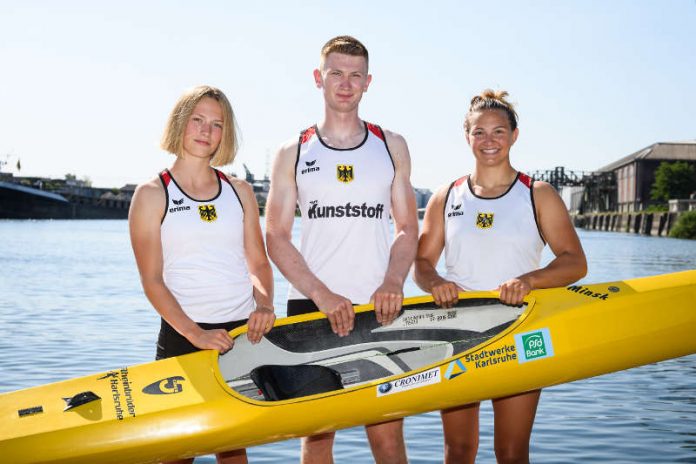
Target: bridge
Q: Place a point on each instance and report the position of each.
(598, 187)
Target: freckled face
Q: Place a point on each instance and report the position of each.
(344, 79)
(204, 129)
(491, 137)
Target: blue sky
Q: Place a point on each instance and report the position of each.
(86, 87)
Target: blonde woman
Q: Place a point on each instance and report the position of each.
(197, 240)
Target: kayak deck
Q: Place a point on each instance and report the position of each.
(422, 334)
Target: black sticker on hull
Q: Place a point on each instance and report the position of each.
(167, 386)
(30, 411)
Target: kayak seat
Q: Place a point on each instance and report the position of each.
(278, 382)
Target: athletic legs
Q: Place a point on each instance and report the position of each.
(387, 442)
(514, 418)
(461, 430)
(318, 449)
(228, 457)
(232, 457)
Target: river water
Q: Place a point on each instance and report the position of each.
(71, 304)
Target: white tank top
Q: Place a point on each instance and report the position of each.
(344, 197)
(203, 251)
(490, 240)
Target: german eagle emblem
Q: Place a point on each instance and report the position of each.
(484, 220)
(344, 172)
(207, 212)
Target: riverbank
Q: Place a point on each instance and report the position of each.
(656, 224)
(43, 198)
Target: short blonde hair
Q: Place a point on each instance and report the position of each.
(173, 137)
(491, 100)
(346, 45)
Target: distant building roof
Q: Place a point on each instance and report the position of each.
(667, 151)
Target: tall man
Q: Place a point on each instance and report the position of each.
(347, 175)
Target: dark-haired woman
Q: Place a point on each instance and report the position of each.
(493, 225)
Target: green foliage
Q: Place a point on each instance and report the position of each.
(657, 208)
(673, 180)
(71, 179)
(685, 226)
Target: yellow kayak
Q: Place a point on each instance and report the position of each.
(302, 379)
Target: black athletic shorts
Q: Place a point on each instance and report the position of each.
(171, 343)
(296, 307)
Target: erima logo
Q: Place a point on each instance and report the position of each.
(586, 291)
(178, 207)
(455, 211)
(310, 167)
(348, 210)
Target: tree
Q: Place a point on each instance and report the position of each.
(673, 180)
(71, 179)
(685, 226)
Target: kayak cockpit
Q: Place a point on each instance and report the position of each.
(304, 357)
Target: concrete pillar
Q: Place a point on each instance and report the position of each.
(624, 222)
(637, 219)
(646, 223)
(657, 223)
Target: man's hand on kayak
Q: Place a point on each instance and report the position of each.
(388, 299)
(260, 323)
(445, 293)
(339, 311)
(513, 291)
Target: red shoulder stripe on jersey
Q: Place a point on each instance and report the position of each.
(166, 177)
(526, 180)
(222, 176)
(375, 129)
(307, 134)
(461, 180)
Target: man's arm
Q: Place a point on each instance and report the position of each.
(280, 215)
(389, 295)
